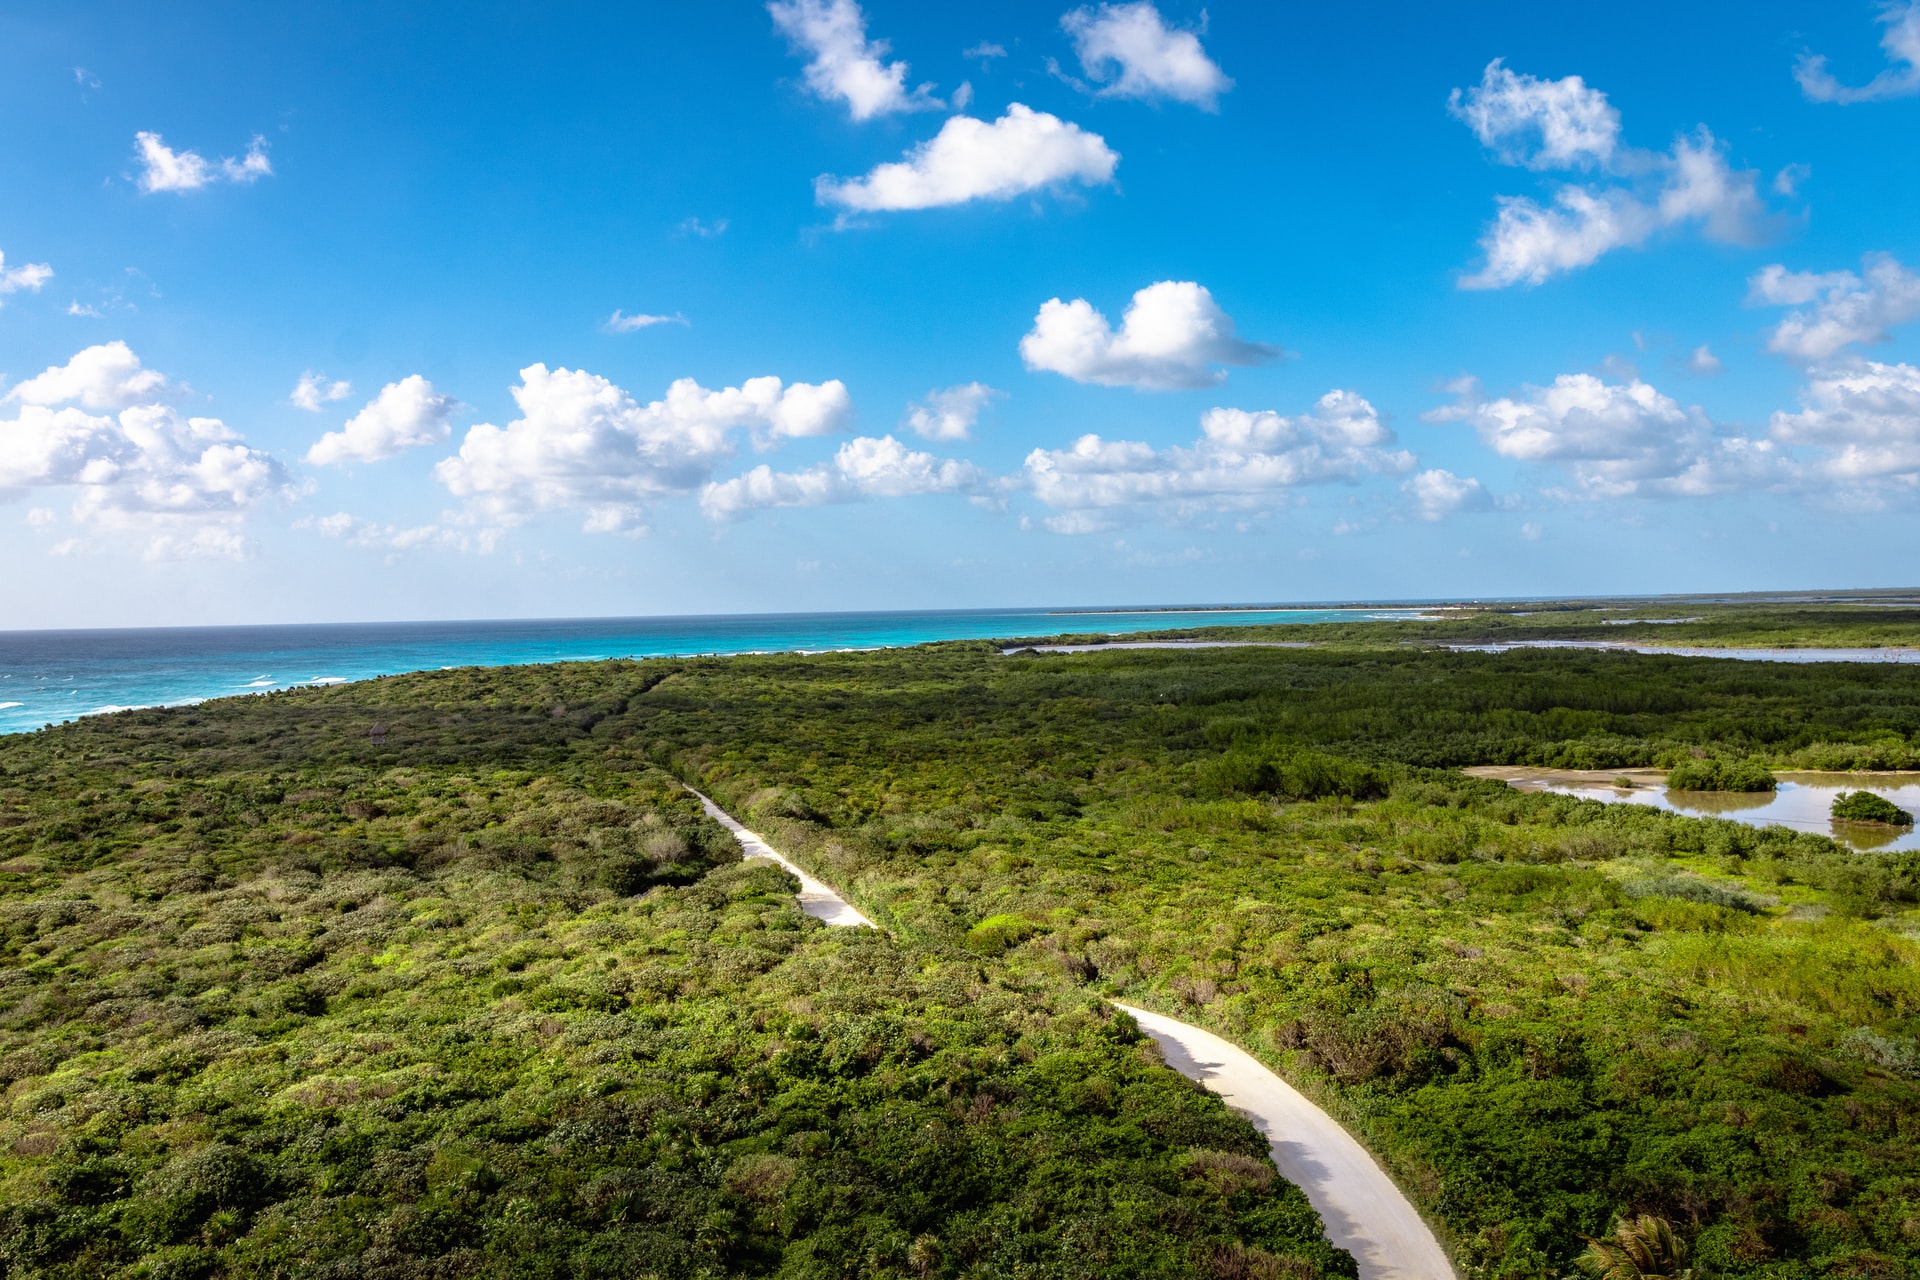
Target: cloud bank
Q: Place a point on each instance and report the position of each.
(97, 425)
(584, 443)
(1242, 459)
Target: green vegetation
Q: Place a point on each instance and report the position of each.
(339, 1021)
(1720, 775)
(1643, 1248)
(1864, 806)
(1546, 1015)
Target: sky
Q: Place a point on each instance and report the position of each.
(364, 312)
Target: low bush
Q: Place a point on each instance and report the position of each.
(1865, 806)
(1720, 775)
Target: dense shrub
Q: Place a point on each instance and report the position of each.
(1292, 773)
(1720, 775)
(1865, 806)
(267, 1057)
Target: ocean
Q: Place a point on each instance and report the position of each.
(47, 677)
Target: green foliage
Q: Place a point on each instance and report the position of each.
(1543, 1014)
(1642, 1248)
(336, 1021)
(1865, 806)
(1291, 773)
(1720, 775)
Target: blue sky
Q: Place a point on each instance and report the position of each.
(312, 315)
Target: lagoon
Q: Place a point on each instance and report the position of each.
(1802, 802)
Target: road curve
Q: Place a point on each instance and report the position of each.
(1365, 1214)
(816, 899)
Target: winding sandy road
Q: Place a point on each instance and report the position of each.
(816, 899)
(1364, 1212)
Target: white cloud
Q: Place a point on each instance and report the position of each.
(1152, 59)
(985, 51)
(1620, 439)
(1542, 124)
(184, 483)
(1902, 44)
(969, 159)
(1692, 185)
(164, 169)
(583, 442)
(1242, 459)
(1847, 309)
(704, 230)
(950, 414)
(1864, 419)
(316, 389)
(41, 517)
(618, 323)
(1527, 244)
(1439, 493)
(1703, 362)
(405, 415)
(864, 467)
(107, 376)
(75, 308)
(29, 276)
(846, 65)
(1564, 124)
(1172, 336)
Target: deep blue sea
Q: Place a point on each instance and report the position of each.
(50, 676)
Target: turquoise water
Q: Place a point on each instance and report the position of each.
(50, 676)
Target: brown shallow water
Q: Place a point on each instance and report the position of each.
(1802, 802)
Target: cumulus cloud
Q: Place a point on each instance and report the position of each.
(584, 443)
(164, 169)
(1541, 124)
(315, 390)
(862, 468)
(1024, 150)
(28, 276)
(1172, 336)
(1864, 421)
(844, 65)
(1439, 493)
(405, 415)
(1693, 185)
(950, 414)
(1565, 124)
(1621, 439)
(1703, 362)
(1902, 45)
(618, 323)
(1130, 50)
(1847, 309)
(107, 376)
(185, 483)
(1242, 459)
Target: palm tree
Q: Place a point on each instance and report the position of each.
(1642, 1248)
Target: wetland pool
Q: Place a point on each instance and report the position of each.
(1802, 802)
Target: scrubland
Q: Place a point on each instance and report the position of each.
(278, 1000)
